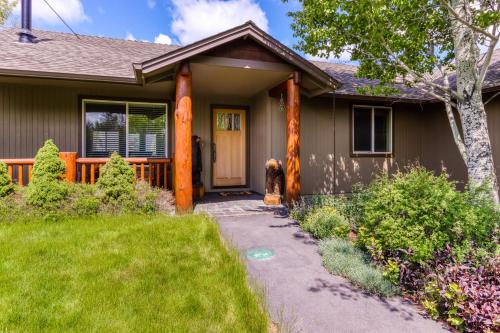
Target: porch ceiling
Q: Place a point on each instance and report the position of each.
(233, 81)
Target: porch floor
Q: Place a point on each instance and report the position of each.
(217, 205)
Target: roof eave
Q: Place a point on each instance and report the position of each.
(67, 76)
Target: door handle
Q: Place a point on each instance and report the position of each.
(214, 153)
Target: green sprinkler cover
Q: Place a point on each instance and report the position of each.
(260, 253)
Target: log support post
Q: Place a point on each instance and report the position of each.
(69, 159)
(183, 131)
(293, 139)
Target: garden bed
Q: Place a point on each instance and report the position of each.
(415, 231)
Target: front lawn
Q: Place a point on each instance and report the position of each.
(123, 274)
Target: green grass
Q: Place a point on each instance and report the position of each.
(340, 257)
(123, 274)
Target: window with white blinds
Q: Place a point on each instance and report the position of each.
(131, 129)
(146, 131)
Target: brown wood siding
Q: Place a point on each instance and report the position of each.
(31, 114)
(440, 151)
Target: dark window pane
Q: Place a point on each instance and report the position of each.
(362, 129)
(105, 129)
(382, 130)
(146, 131)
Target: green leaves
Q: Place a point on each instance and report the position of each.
(6, 7)
(46, 190)
(393, 40)
(6, 186)
(117, 180)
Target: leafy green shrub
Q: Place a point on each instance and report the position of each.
(146, 198)
(340, 257)
(415, 214)
(87, 206)
(46, 190)
(6, 186)
(116, 181)
(326, 222)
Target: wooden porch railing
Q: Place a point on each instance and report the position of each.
(86, 170)
(152, 170)
(18, 168)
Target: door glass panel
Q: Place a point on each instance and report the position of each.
(224, 121)
(237, 122)
(228, 122)
(220, 120)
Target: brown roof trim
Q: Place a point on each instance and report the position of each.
(392, 99)
(151, 66)
(67, 76)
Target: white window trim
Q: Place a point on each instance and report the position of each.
(127, 104)
(391, 136)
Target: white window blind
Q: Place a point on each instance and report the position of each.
(105, 126)
(147, 130)
(131, 129)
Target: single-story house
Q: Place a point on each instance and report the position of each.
(246, 95)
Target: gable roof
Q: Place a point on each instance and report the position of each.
(247, 30)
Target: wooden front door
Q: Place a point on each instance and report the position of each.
(229, 147)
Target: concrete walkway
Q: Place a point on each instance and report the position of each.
(302, 294)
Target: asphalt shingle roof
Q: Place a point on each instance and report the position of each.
(64, 53)
(56, 52)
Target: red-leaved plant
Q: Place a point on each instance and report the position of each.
(471, 295)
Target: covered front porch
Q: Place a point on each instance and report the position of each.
(240, 94)
(226, 108)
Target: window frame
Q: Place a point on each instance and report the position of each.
(372, 152)
(127, 103)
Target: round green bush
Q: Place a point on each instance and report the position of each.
(6, 186)
(117, 180)
(415, 214)
(326, 222)
(46, 190)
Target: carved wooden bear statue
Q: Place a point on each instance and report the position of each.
(274, 182)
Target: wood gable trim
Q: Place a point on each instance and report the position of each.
(246, 31)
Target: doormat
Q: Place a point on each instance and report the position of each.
(234, 194)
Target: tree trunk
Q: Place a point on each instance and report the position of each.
(480, 165)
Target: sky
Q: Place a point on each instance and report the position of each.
(163, 21)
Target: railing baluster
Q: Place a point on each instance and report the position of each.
(84, 173)
(142, 171)
(92, 173)
(20, 179)
(157, 173)
(165, 175)
(150, 180)
(9, 172)
(134, 167)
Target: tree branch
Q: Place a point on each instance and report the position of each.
(453, 123)
(464, 22)
(419, 77)
(487, 61)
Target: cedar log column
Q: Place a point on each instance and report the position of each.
(183, 150)
(293, 140)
